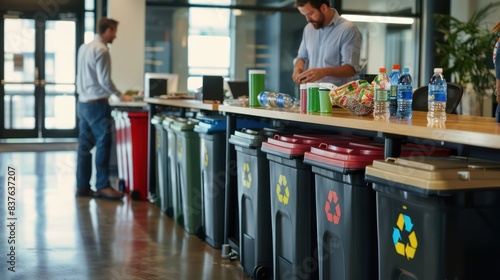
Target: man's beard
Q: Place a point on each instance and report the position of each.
(318, 24)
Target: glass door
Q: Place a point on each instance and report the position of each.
(59, 101)
(37, 91)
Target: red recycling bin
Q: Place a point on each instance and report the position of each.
(136, 124)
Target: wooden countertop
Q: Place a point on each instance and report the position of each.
(129, 104)
(184, 103)
(469, 130)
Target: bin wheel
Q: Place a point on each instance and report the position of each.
(262, 273)
(121, 185)
(135, 195)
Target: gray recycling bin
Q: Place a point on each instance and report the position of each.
(437, 217)
(172, 183)
(212, 132)
(163, 197)
(253, 204)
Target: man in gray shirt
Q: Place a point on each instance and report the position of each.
(330, 48)
(94, 86)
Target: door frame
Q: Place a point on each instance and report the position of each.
(29, 11)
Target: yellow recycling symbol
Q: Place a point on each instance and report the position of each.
(179, 148)
(205, 153)
(404, 223)
(245, 174)
(283, 198)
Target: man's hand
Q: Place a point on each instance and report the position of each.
(296, 75)
(311, 75)
(126, 98)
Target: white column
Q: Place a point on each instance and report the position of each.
(127, 50)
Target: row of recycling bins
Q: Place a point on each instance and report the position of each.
(316, 206)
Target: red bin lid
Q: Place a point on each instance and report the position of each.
(296, 145)
(347, 156)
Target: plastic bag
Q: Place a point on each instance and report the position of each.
(355, 97)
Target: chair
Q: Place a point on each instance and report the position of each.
(454, 95)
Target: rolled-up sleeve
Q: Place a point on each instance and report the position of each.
(302, 53)
(351, 48)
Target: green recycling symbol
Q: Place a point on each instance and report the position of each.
(246, 176)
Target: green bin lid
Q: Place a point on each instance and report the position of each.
(168, 120)
(157, 119)
(247, 138)
(183, 124)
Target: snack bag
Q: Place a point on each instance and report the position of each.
(356, 97)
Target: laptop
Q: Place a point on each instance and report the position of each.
(238, 88)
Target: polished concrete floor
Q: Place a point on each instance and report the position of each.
(58, 236)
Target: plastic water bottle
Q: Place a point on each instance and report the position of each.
(276, 100)
(382, 87)
(405, 95)
(436, 101)
(394, 77)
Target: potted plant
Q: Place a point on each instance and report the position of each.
(466, 50)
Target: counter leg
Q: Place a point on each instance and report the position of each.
(392, 144)
(231, 223)
(151, 153)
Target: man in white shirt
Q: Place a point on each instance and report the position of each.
(94, 86)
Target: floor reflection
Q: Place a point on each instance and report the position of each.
(59, 236)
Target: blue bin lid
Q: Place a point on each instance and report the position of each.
(218, 123)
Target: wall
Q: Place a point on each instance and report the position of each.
(127, 51)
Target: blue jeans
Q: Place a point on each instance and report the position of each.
(95, 128)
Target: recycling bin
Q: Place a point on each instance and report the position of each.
(212, 133)
(188, 173)
(437, 217)
(163, 197)
(345, 211)
(293, 219)
(254, 203)
(172, 183)
(136, 143)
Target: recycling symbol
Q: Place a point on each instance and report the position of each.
(404, 224)
(179, 148)
(282, 184)
(205, 153)
(332, 199)
(245, 174)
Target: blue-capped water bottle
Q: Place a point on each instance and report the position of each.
(405, 95)
(394, 78)
(436, 101)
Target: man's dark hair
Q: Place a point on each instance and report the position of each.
(314, 3)
(105, 23)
